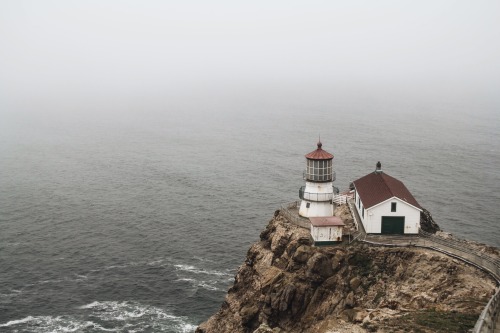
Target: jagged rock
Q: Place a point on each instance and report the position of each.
(320, 264)
(427, 223)
(248, 313)
(288, 284)
(349, 300)
(355, 282)
(303, 253)
(286, 297)
(271, 277)
(263, 328)
(445, 235)
(359, 315)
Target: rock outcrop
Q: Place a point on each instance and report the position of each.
(427, 223)
(288, 285)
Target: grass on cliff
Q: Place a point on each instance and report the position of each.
(438, 321)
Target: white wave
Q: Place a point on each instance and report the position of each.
(112, 310)
(158, 262)
(59, 324)
(50, 281)
(196, 270)
(10, 294)
(80, 277)
(120, 266)
(187, 280)
(209, 285)
(90, 306)
(134, 315)
(16, 322)
(74, 278)
(187, 328)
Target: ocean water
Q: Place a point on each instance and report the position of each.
(136, 221)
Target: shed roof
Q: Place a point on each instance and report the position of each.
(326, 221)
(378, 187)
(319, 154)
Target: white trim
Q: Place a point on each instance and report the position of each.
(394, 197)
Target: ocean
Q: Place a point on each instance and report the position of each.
(136, 220)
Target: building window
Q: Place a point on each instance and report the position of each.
(363, 212)
(393, 206)
(308, 205)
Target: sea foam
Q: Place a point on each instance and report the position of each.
(134, 316)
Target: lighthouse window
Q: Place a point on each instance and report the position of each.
(319, 170)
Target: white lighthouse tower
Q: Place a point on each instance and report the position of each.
(318, 193)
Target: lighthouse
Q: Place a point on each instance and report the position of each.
(317, 194)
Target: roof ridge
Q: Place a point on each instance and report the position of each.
(375, 187)
(385, 183)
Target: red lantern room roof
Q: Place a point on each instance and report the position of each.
(319, 154)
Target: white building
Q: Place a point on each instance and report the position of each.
(317, 194)
(385, 205)
(326, 230)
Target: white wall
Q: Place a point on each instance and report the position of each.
(372, 221)
(373, 216)
(326, 234)
(317, 191)
(359, 206)
(316, 209)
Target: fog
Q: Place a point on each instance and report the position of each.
(66, 56)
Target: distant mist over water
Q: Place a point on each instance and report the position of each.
(137, 218)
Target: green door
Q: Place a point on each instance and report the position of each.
(393, 225)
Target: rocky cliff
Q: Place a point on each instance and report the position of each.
(287, 285)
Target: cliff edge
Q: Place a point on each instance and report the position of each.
(287, 285)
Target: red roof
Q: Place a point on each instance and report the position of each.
(326, 221)
(377, 187)
(319, 154)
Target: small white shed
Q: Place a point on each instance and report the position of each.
(326, 230)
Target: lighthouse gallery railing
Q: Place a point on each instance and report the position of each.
(314, 196)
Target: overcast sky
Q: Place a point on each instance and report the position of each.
(148, 49)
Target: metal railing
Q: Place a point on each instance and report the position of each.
(489, 317)
(290, 212)
(315, 196)
(360, 233)
(340, 199)
(489, 263)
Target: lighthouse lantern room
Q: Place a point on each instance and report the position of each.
(317, 194)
